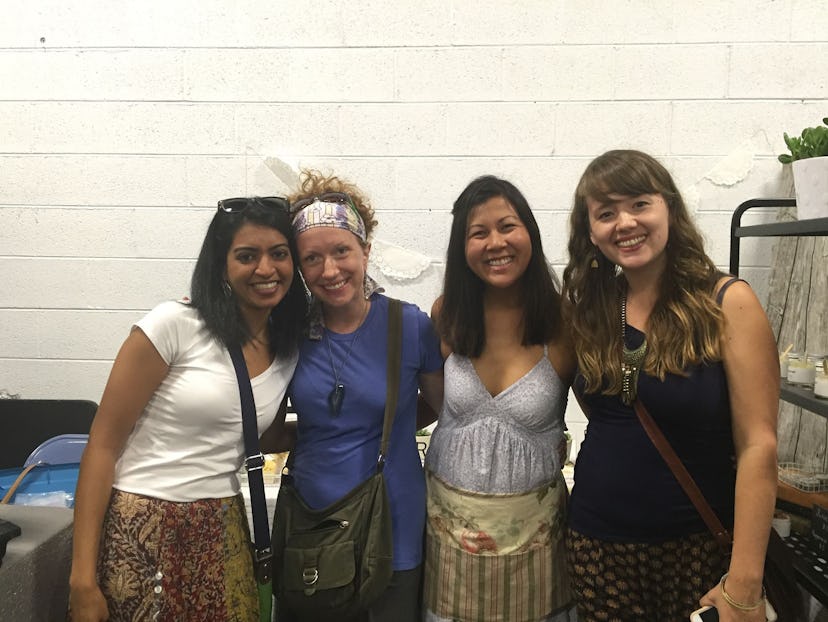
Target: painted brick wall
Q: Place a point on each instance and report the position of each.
(122, 123)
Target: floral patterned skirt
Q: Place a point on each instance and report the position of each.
(662, 581)
(177, 562)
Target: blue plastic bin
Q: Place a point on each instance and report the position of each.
(45, 478)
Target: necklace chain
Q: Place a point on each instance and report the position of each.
(631, 360)
(337, 394)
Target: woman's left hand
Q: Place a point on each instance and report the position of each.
(729, 613)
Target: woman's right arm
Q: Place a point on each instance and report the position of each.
(137, 372)
(436, 307)
(281, 435)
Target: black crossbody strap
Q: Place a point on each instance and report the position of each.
(254, 463)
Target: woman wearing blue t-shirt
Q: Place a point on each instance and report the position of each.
(339, 387)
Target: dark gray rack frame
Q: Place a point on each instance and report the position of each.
(812, 581)
(813, 227)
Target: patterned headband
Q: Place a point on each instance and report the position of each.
(338, 214)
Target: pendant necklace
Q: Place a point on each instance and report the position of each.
(337, 394)
(631, 360)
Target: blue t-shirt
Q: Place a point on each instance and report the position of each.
(336, 453)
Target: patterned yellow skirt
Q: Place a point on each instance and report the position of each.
(177, 562)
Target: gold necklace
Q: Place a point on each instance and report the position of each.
(631, 360)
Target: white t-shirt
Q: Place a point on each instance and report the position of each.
(187, 444)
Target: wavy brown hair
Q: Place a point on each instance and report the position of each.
(685, 326)
(313, 183)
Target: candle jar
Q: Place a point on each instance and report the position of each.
(801, 369)
(818, 361)
(821, 378)
(821, 386)
(783, 366)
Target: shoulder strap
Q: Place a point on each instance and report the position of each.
(684, 478)
(392, 375)
(254, 463)
(723, 288)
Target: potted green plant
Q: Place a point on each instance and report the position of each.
(809, 159)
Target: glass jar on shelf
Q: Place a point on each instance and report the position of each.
(821, 379)
(783, 364)
(801, 369)
(818, 361)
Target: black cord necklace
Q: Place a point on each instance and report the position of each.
(337, 394)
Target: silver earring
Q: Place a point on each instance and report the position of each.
(228, 291)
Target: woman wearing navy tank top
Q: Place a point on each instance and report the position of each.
(697, 351)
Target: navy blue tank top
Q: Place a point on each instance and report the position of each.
(624, 491)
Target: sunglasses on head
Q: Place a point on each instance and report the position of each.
(326, 197)
(239, 204)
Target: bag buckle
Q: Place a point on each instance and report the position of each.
(255, 462)
(263, 565)
(310, 576)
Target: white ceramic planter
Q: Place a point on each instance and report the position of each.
(811, 185)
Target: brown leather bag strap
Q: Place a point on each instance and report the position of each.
(684, 478)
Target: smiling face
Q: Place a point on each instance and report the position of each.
(333, 262)
(259, 269)
(498, 247)
(631, 232)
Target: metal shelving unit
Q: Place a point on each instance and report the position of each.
(814, 582)
(804, 398)
(813, 227)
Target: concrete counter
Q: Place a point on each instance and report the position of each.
(34, 577)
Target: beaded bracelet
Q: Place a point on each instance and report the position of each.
(736, 604)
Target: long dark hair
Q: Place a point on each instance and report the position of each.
(219, 310)
(460, 322)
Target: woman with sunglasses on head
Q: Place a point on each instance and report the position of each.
(160, 528)
(496, 495)
(655, 323)
(339, 388)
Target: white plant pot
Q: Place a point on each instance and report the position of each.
(811, 185)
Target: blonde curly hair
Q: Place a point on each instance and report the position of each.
(313, 183)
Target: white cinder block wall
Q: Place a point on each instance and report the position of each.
(122, 123)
